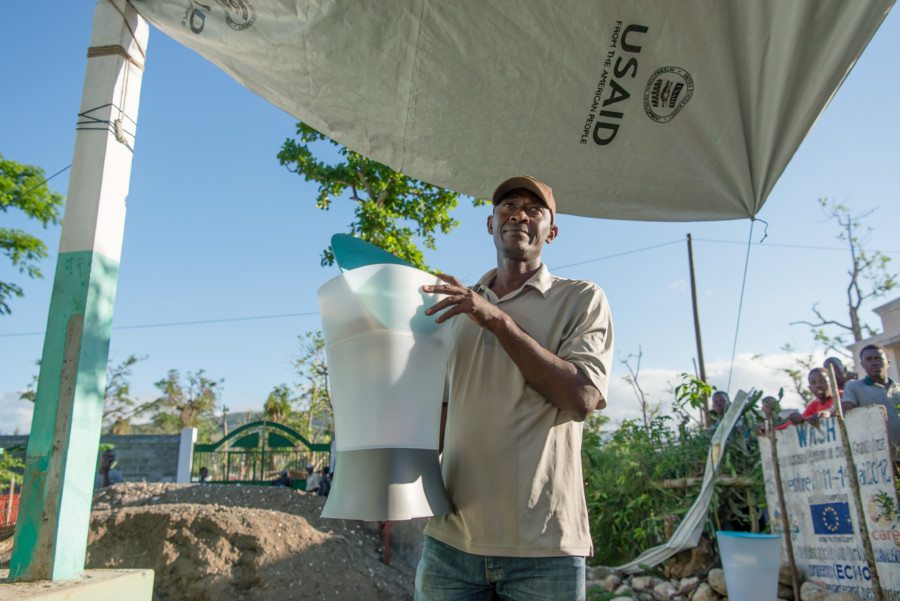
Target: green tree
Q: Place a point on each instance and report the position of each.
(798, 372)
(24, 187)
(30, 392)
(119, 407)
(392, 210)
(11, 467)
(693, 394)
(633, 378)
(185, 404)
(279, 405)
(315, 415)
(869, 277)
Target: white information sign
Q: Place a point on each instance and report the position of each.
(820, 504)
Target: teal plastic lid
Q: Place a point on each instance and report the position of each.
(746, 534)
(351, 252)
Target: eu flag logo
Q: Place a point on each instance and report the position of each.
(831, 518)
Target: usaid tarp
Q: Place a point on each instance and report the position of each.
(822, 514)
(684, 110)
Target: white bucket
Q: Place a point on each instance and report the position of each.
(751, 562)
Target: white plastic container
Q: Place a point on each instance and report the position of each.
(751, 563)
(387, 362)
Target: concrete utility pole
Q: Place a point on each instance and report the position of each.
(700, 362)
(54, 513)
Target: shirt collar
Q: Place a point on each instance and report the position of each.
(540, 281)
(870, 382)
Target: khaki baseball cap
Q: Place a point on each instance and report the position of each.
(539, 188)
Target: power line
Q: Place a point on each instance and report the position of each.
(621, 254)
(309, 313)
(555, 268)
(737, 327)
(63, 170)
(773, 245)
(183, 323)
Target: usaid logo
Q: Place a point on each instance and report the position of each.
(239, 14)
(667, 91)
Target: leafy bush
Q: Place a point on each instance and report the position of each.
(633, 503)
(11, 466)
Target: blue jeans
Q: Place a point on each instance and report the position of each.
(448, 574)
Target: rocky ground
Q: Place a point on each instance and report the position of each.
(261, 543)
(605, 585)
(247, 543)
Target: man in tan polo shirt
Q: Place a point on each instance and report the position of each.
(530, 361)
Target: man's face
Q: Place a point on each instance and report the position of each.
(520, 225)
(719, 403)
(108, 459)
(818, 385)
(838, 367)
(875, 363)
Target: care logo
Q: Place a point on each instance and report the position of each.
(884, 513)
(667, 91)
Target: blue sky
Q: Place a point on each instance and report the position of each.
(217, 229)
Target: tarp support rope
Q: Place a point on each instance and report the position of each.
(116, 126)
(737, 327)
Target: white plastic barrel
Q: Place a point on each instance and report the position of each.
(387, 362)
(751, 563)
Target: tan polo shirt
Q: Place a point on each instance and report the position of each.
(512, 460)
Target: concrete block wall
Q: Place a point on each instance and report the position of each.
(150, 457)
(139, 457)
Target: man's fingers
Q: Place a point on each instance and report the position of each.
(442, 289)
(450, 279)
(448, 314)
(443, 304)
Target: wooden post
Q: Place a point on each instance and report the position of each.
(55, 503)
(700, 362)
(9, 501)
(785, 523)
(854, 487)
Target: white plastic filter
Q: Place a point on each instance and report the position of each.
(386, 359)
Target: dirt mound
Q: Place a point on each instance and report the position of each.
(247, 543)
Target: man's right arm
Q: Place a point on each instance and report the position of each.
(850, 396)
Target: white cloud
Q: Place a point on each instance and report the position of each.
(759, 372)
(679, 285)
(15, 414)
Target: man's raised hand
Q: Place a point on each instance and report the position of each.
(461, 300)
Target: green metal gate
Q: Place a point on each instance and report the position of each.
(256, 453)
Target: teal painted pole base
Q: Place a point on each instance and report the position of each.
(54, 512)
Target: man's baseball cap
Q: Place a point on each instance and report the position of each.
(539, 188)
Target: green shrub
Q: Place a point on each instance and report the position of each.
(626, 473)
